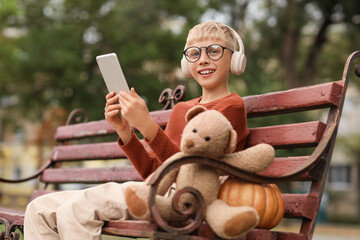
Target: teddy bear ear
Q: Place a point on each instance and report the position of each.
(232, 142)
(192, 112)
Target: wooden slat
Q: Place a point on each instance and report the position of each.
(306, 134)
(283, 165)
(298, 99)
(281, 136)
(136, 228)
(15, 216)
(131, 228)
(262, 234)
(300, 205)
(279, 167)
(101, 127)
(90, 175)
(93, 151)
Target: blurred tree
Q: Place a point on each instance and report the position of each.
(8, 48)
(56, 54)
(294, 43)
(51, 60)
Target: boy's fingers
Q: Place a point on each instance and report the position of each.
(123, 104)
(112, 100)
(113, 107)
(109, 95)
(125, 98)
(124, 95)
(112, 113)
(134, 93)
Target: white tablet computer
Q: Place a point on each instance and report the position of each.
(111, 71)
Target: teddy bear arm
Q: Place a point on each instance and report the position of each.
(254, 159)
(167, 181)
(170, 177)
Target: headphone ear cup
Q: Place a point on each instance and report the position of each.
(238, 63)
(185, 67)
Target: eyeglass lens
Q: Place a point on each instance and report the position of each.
(213, 51)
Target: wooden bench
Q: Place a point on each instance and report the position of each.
(82, 143)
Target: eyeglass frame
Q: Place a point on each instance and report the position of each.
(223, 48)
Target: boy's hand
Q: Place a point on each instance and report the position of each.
(134, 110)
(112, 110)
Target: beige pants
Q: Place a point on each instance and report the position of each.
(78, 214)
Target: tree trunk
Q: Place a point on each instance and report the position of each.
(291, 36)
(310, 70)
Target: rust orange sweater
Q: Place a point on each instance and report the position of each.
(167, 142)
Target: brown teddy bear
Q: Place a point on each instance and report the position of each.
(207, 133)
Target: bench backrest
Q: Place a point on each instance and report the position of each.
(96, 140)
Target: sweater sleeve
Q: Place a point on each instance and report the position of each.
(146, 158)
(162, 146)
(145, 162)
(166, 143)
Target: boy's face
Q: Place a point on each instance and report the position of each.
(211, 74)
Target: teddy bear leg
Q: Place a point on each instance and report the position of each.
(136, 197)
(164, 206)
(231, 222)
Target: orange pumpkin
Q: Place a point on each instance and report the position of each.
(265, 198)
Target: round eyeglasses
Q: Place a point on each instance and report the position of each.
(214, 52)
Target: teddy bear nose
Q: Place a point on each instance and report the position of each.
(189, 143)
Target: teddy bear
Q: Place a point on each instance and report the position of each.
(207, 133)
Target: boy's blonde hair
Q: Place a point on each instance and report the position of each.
(212, 30)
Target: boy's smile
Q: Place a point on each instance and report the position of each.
(206, 72)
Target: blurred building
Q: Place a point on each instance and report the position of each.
(22, 151)
(343, 187)
(19, 159)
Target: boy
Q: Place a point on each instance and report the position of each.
(81, 214)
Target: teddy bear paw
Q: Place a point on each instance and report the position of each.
(241, 223)
(136, 202)
(233, 222)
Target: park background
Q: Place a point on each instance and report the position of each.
(48, 68)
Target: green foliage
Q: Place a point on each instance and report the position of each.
(48, 48)
(53, 63)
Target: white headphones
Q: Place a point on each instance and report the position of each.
(237, 64)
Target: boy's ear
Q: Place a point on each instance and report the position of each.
(192, 112)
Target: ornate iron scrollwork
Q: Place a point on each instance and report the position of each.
(77, 116)
(169, 97)
(195, 214)
(357, 70)
(10, 229)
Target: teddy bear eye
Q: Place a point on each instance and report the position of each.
(194, 130)
(207, 139)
